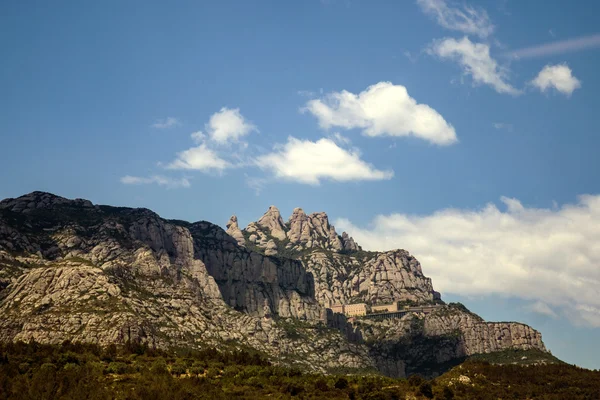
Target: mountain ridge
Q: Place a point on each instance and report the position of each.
(175, 283)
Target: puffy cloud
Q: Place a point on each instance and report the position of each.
(309, 162)
(546, 255)
(228, 125)
(166, 123)
(476, 61)
(559, 77)
(559, 47)
(382, 109)
(468, 20)
(199, 158)
(156, 179)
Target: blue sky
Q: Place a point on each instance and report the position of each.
(465, 132)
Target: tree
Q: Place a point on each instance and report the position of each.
(426, 390)
(341, 383)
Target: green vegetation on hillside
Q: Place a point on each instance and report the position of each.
(481, 380)
(85, 371)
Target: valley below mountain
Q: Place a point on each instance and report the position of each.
(72, 270)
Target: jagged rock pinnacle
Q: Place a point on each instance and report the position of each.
(234, 230)
(349, 243)
(272, 221)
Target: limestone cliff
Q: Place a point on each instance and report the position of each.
(451, 333)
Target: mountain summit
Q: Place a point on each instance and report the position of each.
(302, 232)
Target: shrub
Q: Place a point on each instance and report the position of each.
(415, 380)
(321, 385)
(341, 383)
(425, 390)
(178, 369)
(213, 372)
(117, 367)
(447, 393)
(159, 367)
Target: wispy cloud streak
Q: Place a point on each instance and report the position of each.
(562, 46)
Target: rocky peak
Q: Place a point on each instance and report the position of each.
(37, 200)
(273, 222)
(233, 222)
(234, 230)
(302, 232)
(348, 243)
(312, 231)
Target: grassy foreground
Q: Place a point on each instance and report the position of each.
(83, 371)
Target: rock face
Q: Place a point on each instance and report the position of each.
(273, 223)
(479, 336)
(73, 270)
(342, 272)
(248, 280)
(449, 333)
(373, 278)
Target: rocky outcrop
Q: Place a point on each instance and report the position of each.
(40, 200)
(302, 233)
(479, 336)
(450, 333)
(234, 231)
(348, 244)
(374, 278)
(311, 231)
(272, 222)
(342, 272)
(249, 280)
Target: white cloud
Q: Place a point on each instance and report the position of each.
(412, 58)
(198, 137)
(156, 179)
(476, 61)
(228, 125)
(559, 77)
(256, 183)
(503, 126)
(340, 139)
(199, 158)
(166, 123)
(559, 47)
(468, 20)
(540, 307)
(306, 93)
(548, 255)
(309, 162)
(382, 109)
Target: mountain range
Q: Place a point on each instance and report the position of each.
(73, 270)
